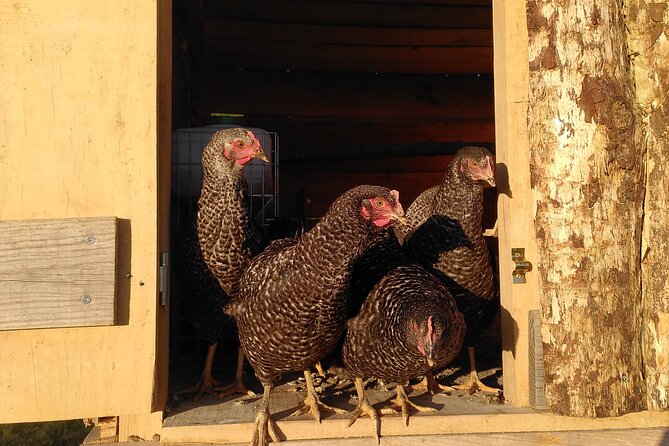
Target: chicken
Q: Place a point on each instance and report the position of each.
(294, 298)
(384, 254)
(450, 242)
(227, 234)
(408, 326)
(204, 300)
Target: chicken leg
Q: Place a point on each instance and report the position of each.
(264, 422)
(312, 403)
(473, 382)
(238, 386)
(402, 404)
(364, 408)
(207, 383)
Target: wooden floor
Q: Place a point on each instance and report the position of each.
(459, 419)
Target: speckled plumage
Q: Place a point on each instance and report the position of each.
(381, 342)
(228, 236)
(419, 211)
(451, 243)
(382, 255)
(294, 298)
(204, 298)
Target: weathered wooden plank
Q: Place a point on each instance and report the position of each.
(645, 22)
(352, 96)
(57, 273)
(342, 12)
(221, 32)
(304, 56)
(515, 204)
(232, 421)
(586, 162)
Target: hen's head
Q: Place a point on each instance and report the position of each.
(475, 164)
(382, 207)
(427, 335)
(232, 148)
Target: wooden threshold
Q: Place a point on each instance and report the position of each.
(228, 422)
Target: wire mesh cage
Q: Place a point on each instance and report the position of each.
(262, 178)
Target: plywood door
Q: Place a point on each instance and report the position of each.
(81, 138)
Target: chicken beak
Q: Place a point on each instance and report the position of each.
(491, 180)
(399, 218)
(430, 362)
(261, 155)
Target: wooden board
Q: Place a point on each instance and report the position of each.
(231, 421)
(57, 273)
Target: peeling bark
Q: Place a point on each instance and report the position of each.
(586, 174)
(648, 39)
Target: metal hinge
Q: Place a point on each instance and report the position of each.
(164, 274)
(522, 265)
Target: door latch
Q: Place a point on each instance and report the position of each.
(164, 275)
(523, 265)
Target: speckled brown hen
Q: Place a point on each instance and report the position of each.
(408, 326)
(294, 298)
(203, 302)
(227, 234)
(450, 242)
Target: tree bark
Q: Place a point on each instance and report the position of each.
(587, 174)
(648, 25)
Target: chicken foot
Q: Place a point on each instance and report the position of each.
(312, 403)
(431, 385)
(402, 404)
(474, 382)
(364, 408)
(264, 422)
(207, 383)
(238, 386)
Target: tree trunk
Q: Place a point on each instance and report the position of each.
(650, 55)
(587, 175)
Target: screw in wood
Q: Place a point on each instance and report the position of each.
(90, 239)
(85, 299)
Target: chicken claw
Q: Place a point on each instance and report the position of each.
(431, 385)
(402, 404)
(238, 386)
(264, 422)
(312, 403)
(364, 408)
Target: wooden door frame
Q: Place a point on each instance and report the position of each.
(515, 204)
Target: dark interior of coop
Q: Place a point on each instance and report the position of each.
(340, 93)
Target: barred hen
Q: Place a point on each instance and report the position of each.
(204, 300)
(450, 242)
(408, 326)
(294, 298)
(228, 236)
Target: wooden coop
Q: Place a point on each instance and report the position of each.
(572, 99)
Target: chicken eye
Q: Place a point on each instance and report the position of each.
(379, 202)
(240, 144)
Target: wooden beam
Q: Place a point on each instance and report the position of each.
(351, 96)
(306, 56)
(57, 273)
(349, 13)
(224, 32)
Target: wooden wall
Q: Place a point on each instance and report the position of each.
(80, 138)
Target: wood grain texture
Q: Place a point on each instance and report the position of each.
(515, 203)
(231, 421)
(646, 22)
(57, 273)
(79, 139)
(586, 176)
